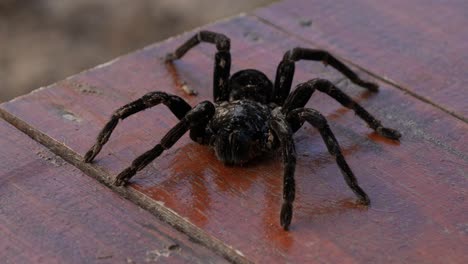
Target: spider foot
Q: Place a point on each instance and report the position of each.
(388, 133)
(123, 178)
(371, 86)
(286, 215)
(364, 200)
(90, 155)
(170, 57)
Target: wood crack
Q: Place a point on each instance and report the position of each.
(165, 214)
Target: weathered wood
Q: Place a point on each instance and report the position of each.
(50, 212)
(420, 45)
(417, 187)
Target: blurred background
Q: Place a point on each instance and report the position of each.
(44, 41)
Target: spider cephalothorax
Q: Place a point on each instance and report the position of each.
(250, 115)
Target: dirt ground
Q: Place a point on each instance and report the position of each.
(44, 41)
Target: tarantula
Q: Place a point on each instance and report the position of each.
(250, 115)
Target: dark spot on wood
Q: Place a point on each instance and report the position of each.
(305, 22)
(105, 257)
(173, 247)
(85, 88)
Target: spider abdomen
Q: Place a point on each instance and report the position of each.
(239, 130)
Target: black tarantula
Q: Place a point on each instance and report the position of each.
(250, 115)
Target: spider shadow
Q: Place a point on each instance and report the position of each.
(316, 195)
(340, 111)
(303, 221)
(193, 174)
(196, 170)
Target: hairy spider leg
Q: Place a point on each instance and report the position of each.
(199, 115)
(285, 71)
(222, 66)
(301, 95)
(284, 134)
(176, 104)
(317, 120)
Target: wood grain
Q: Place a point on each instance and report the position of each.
(417, 187)
(421, 45)
(50, 212)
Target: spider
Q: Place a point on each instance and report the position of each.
(250, 116)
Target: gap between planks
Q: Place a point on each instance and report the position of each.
(384, 79)
(157, 209)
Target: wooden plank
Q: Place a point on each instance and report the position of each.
(50, 212)
(417, 186)
(421, 45)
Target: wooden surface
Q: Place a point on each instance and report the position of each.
(50, 212)
(420, 45)
(417, 187)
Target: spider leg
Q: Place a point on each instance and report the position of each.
(285, 70)
(299, 97)
(176, 104)
(317, 120)
(284, 134)
(200, 114)
(222, 65)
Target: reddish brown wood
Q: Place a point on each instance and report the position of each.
(421, 45)
(51, 213)
(417, 187)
